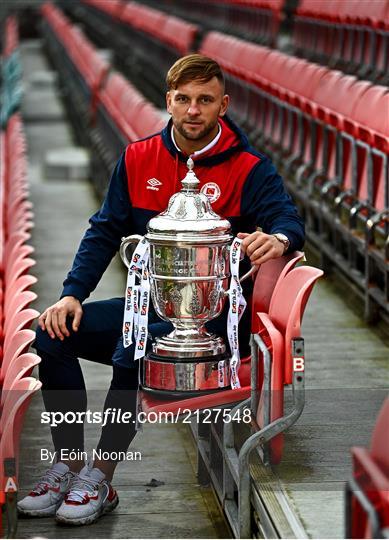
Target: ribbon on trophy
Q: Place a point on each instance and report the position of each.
(235, 312)
(141, 325)
(137, 300)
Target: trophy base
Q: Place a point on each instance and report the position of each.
(190, 377)
(176, 395)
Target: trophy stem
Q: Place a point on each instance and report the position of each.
(189, 343)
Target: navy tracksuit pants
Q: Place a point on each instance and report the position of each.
(99, 339)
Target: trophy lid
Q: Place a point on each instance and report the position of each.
(189, 216)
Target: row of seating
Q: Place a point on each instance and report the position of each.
(11, 36)
(353, 36)
(177, 33)
(256, 20)
(16, 363)
(11, 72)
(329, 134)
(107, 110)
(155, 39)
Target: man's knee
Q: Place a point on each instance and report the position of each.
(44, 343)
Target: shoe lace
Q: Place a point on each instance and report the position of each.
(80, 486)
(50, 478)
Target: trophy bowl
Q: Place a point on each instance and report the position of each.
(188, 289)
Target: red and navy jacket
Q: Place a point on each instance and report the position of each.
(242, 184)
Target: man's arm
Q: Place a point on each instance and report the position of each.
(100, 243)
(102, 240)
(266, 204)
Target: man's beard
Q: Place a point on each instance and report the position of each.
(192, 136)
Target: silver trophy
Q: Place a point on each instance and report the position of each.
(189, 274)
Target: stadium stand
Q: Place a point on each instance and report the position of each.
(16, 363)
(154, 38)
(255, 20)
(366, 502)
(352, 36)
(328, 134)
(324, 130)
(107, 110)
(313, 121)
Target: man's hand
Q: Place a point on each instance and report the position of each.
(53, 319)
(261, 247)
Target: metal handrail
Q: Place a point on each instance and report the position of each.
(271, 429)
(260, 438)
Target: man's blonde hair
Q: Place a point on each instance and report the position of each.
(193, 67)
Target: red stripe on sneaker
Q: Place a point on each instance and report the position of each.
(111, 494)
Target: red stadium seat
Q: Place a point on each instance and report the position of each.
(148, 122)
(180, 34)
(118, 99)
(20, 343)
(282, 324)
(21, 367)
(344, 32)
(16, 403)
(3, 179)
(265, 282)
(11, 36)
(19, 303)
(288, 304)
(359, 183)
(16, 287)
(20, 320)
(17, 253)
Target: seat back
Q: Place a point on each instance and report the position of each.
(21, 320)
(19, 344)
(18, 389)
(287, 307)
(370, 120)
(20, 369)
(368, 112)
(265, 282)
(20, 301)
(379, 441)
(11, 420)
(21, 284)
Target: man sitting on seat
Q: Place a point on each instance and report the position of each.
(243, 186)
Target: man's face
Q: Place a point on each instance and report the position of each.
(195, 108)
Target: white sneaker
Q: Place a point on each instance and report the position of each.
(89, 497)
(48, 494)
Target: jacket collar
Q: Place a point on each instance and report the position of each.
(232, 140)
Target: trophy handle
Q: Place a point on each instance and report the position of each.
(132, 239)
(252, 271)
